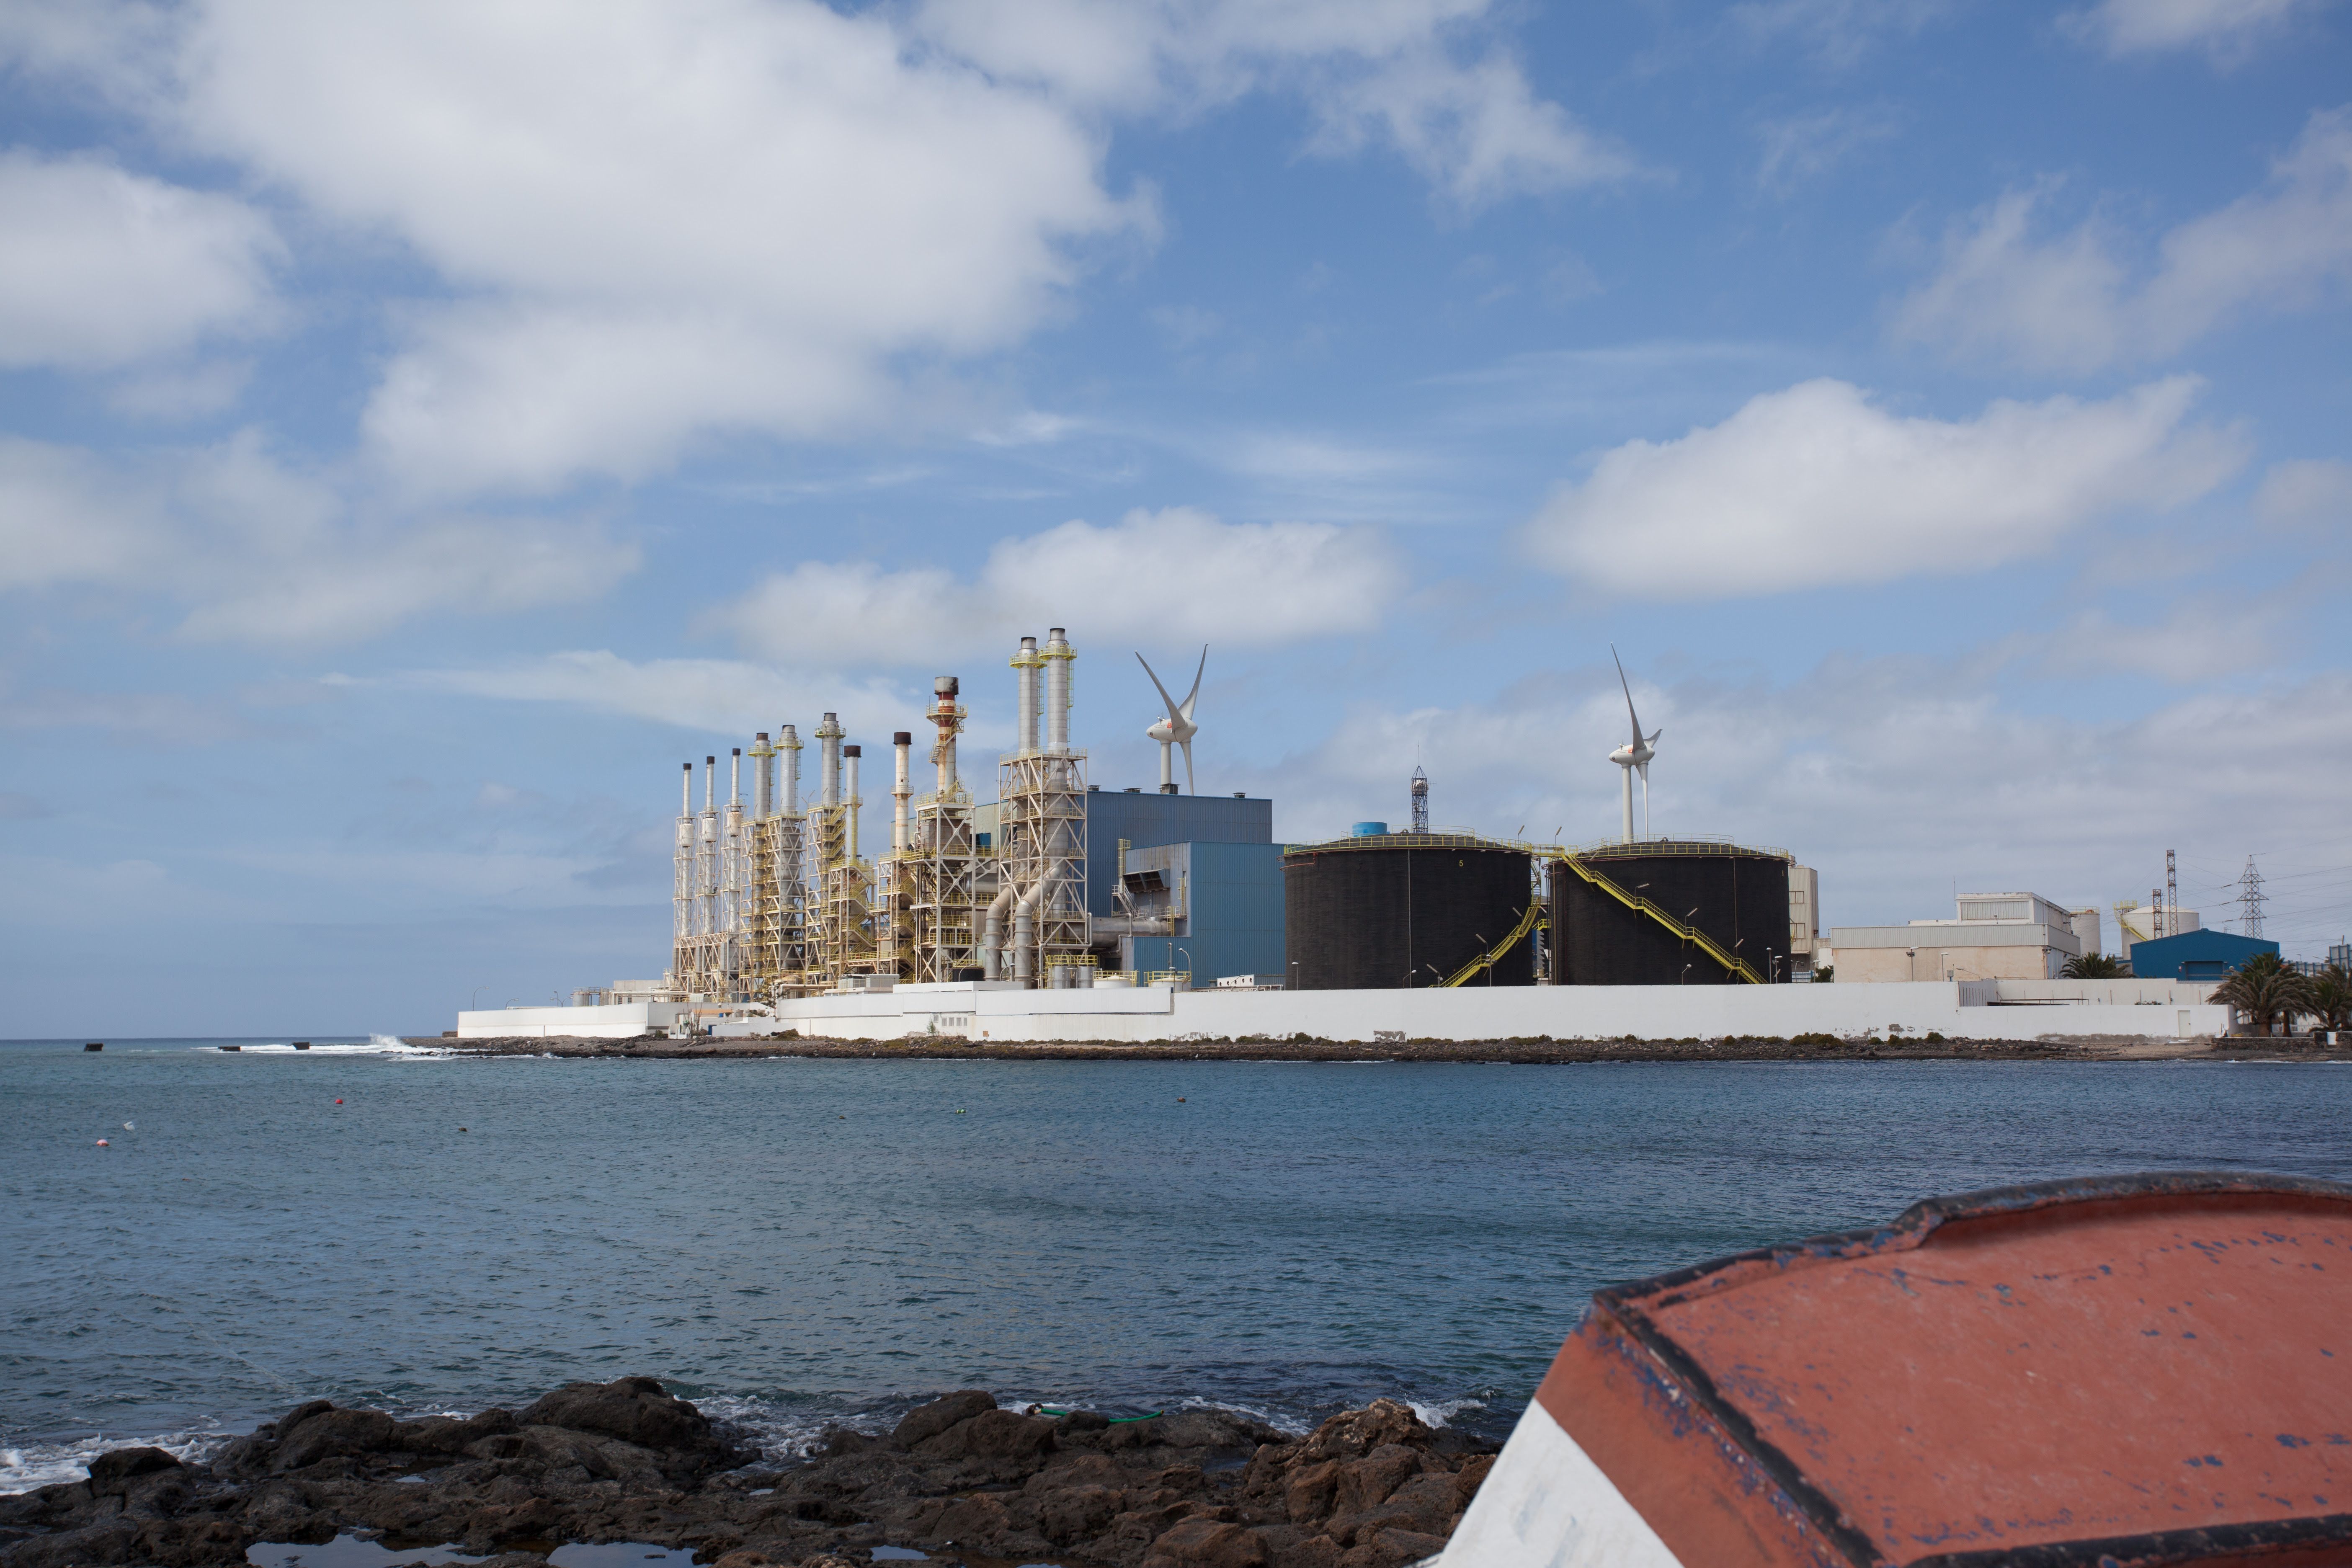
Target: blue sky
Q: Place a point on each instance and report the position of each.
(423, 426)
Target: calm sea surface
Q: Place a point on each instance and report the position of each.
(796, 1242)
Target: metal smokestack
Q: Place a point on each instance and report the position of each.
(709, 786)
(1057, 656)
(901, 830)
(1026, 662)
(849, 755)
(828, 737)
(685, 792)
(788, 748)
(735, 782)
(763, 778)
(946, 688)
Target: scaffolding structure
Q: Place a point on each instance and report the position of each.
(772, 900)
(942, 861)
(1041, 821)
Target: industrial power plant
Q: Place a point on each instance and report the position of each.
(1057, 909)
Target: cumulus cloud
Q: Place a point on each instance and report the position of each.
(1819, 485)
(658, 223)
(1177, 575)
(100, 267)
(2221, 26)
(2073, 301)
(716, 696)
(1392, 73)
(2307, 492)
(261, 553)
(1890, 775)
(1837, 32)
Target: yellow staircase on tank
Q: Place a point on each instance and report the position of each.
(1494, 956)
(1692, 934)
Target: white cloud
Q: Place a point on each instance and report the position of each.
(1838, 32)
(1818, 485)
(2068, 302)
(652, 224)
(1478, 133)
(2307, 492)
(2223, 26)
(1800, 148)
(655, 220)
(260, 553)
(1892, 776)
(1375, 73)
(1176, 575)
(100, 267)
(716, 696)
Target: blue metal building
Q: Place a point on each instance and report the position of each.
(1208, 860)
(2195, 955)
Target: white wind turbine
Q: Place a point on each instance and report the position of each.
(1177, 729)
(1634, 753)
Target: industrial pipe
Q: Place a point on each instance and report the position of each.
(735, 782)
(991, 935)
(1134, 925)
(852, 799)
(902, 829)
(1026, 662)
(685, 792)
(709, 785)
(763, 778)
(1057, 656)
(1025, 932)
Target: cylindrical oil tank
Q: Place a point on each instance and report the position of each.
(1738, 897)
(1382, 911)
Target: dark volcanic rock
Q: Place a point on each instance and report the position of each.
(625, 1461)
(927, 1421)
(111, 1471)
(634, 1409)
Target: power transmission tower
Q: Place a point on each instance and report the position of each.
(1419, 801)
(2251, 899)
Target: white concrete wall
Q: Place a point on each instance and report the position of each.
(613, 1021)
(1476, 1012)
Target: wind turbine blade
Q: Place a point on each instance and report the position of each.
(1629, 694)
(1194, 695)
(1644, 769)
(1188, 769)
(1155, 680)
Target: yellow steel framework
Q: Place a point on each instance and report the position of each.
(1494, 956)
(1692, 934)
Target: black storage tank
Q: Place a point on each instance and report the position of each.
(1738, 897)
(1382, 911)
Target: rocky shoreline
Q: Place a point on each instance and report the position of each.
(1529, 1052)
(959, 1479)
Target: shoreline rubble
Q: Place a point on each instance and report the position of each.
(1528, 1052)
(960, 1478)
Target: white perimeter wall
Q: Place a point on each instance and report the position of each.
(1471, 1012)
(615, 1021)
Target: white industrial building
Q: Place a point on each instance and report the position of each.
(1995, 936)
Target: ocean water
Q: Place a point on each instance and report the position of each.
(796, 1242)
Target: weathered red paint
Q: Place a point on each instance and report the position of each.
(2136, 1371)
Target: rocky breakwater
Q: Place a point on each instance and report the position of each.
(959, 1478)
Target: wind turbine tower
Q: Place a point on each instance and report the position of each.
(1634, 754)
(1177, 729)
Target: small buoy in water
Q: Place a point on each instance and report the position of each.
(102, 1144)
(461, 1130)
(95, 1045)
(959, 1110)
(339, 1102)
(130, 1127)
(1180, 1099)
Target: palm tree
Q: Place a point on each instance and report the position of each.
(2331, 997)
(2265, 988)
(2095, 966)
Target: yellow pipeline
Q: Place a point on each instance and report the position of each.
(1691, 934)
